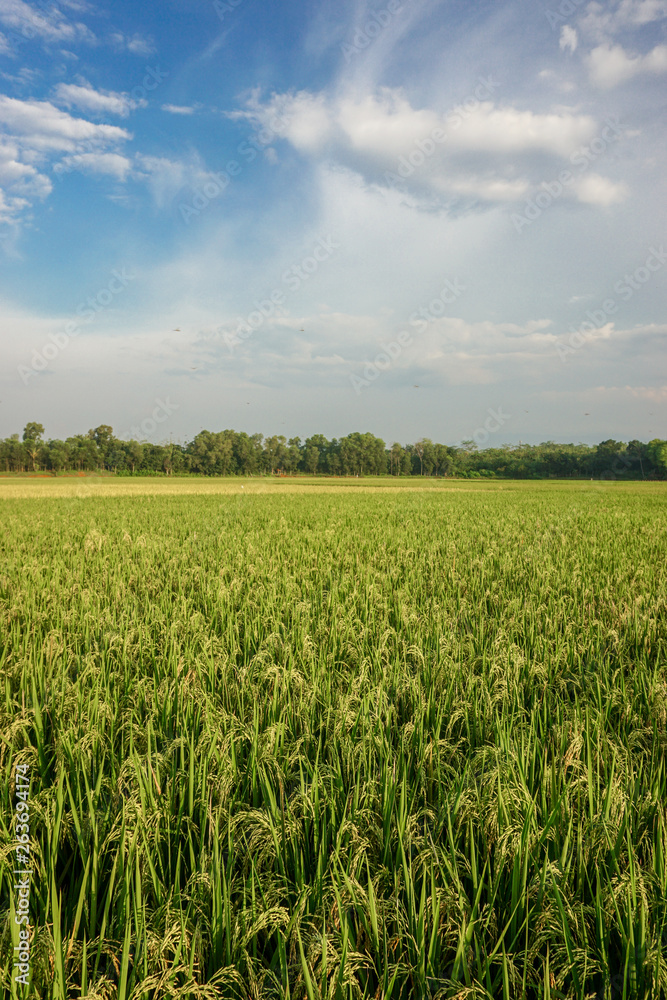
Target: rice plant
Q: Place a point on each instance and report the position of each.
(317, 742)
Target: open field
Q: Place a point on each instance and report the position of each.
(14, 488)
(336, 738)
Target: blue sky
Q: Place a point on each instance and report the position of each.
(334, 216)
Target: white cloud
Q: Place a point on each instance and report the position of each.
(492, 189)
(602, 22)
(41, 126)
(97, 101)
(568, 38)
(166, 177)
(10, 207)
(20, 179)
(137, 44)
(641, 12)
(654, 394)
(451, 349)
(178, 109)
(114, 164)
(481, 152)
(35, 134)
(50, 24)
(508, 130)
(592, 189)
(611, 65)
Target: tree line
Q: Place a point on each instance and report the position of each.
(229, 453)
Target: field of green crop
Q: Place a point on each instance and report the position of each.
(346, 740)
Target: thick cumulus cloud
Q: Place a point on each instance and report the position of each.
(610, 65)
(479, 151)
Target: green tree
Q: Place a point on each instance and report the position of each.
(57, 455)
(311, 459)
(134, 454)
(444, 462)
(32, 440)
(418, 450)
(428, 456)
(105, 441)
(318, 445)
(14, 454)
(657, 452)
(276, 454)
(247, 452)
(395, 456)
(293, 457)
(84, 452)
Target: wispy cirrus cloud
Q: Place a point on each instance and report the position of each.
(137, 44)
(603, 21)
(111, 164)
(49, 23)
(166, 177)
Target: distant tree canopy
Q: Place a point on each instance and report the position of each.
(235, 453)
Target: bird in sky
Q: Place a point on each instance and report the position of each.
(177, 330)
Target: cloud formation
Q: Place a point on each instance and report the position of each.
(100, 102)
(36, 134)
(478, 151)
(49, 24)
(610, 65)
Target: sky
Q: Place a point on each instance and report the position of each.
(419, 218)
